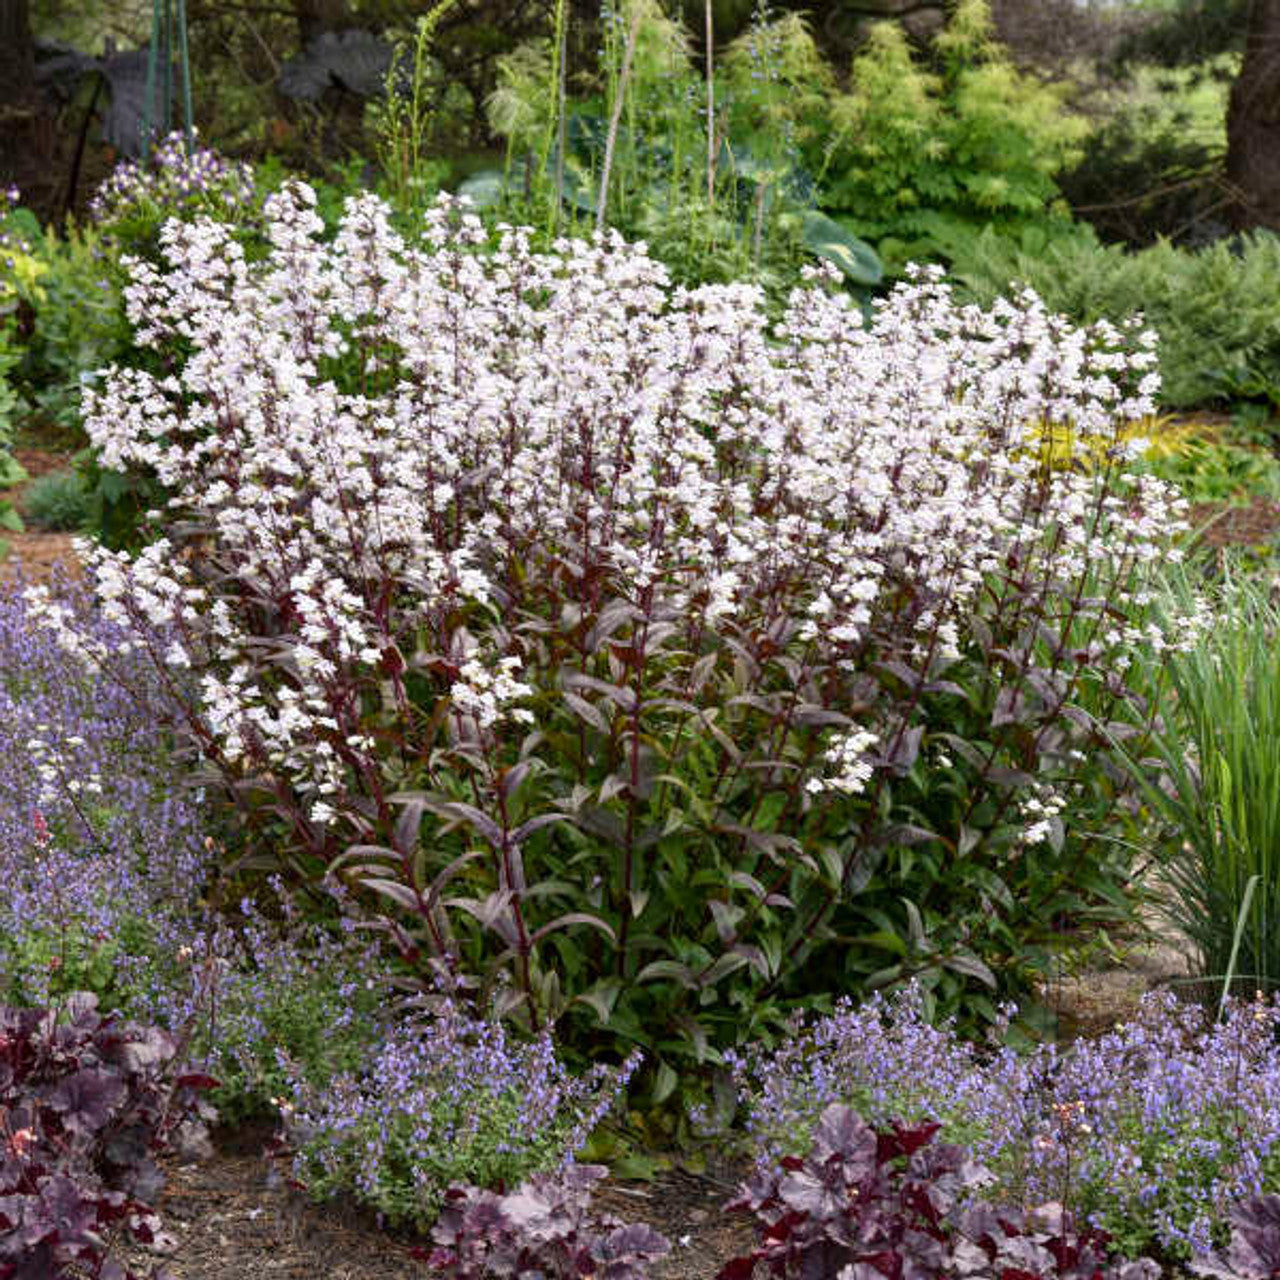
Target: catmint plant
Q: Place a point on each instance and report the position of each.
(96, 834)
(603, 632)
(451, 1097)
(1151, 1132)
(175, 180)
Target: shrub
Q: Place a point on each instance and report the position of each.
(85, 1105)
(864, 1203)
(175, 181)
(451, 1098)
(545, 1227)
(57, 501)
(914, 154)
(77, 323)
(743, 582)
(1151, 1132)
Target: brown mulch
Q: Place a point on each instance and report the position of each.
(34, 555)
(234, 1215)
(1251, 524)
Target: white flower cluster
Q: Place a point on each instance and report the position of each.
(368, 434)
(56, 776)
(1038, 809)
(848, 757)
(486, 693)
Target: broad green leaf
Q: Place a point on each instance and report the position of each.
(826, 238)
(484, 188)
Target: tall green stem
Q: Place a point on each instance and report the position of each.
(711, 106)
(620, 97)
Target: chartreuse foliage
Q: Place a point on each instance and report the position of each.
(913, 152)
(904, 154)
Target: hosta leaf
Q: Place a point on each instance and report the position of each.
(484, 188)
(827, 239)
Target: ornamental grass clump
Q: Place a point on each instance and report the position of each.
(633, 655)
(1211, 777)
(1151, 1133)
(450, 1098)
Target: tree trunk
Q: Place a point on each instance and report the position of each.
(17, 58)
(1253, 121)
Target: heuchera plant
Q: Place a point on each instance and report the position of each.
(865, 1204)
(636, 655)
(85, 1105)
(1254, 1251)
(544, 1228)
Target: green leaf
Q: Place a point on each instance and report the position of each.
(25, 223)
(485, 188)
(663, 969)
(602, 997)
(826, 238)
(970, 967)
(664, 1084)
(636, 1166)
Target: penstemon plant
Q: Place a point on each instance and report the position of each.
(610, 637)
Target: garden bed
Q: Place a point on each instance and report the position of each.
(234, 1216)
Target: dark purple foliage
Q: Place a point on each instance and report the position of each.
(544, 1228)
(86, 1103)
(866, 1204)
(1254, 1251)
